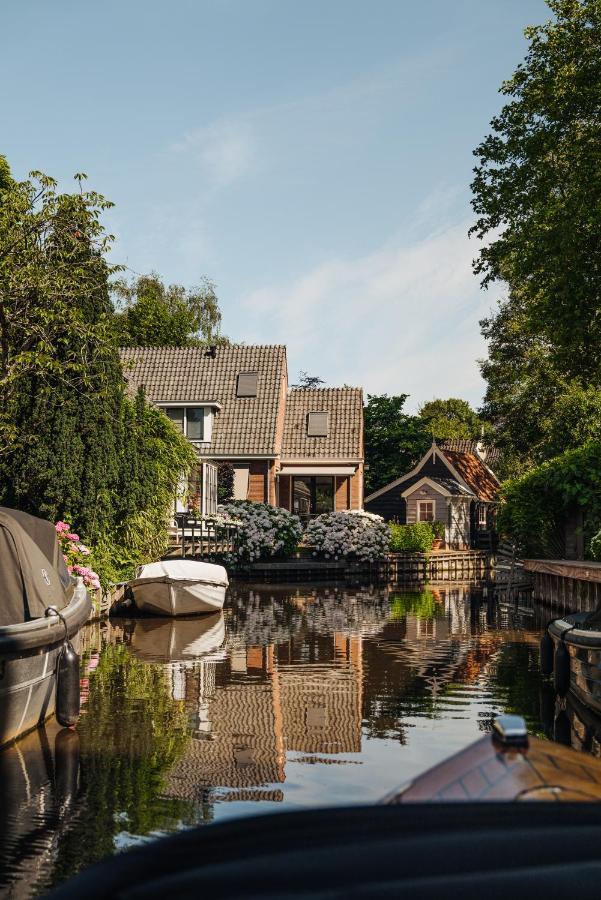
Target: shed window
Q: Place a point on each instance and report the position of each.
(317, 424)
(247, 384)
(425, 510)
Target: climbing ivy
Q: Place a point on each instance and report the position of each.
(537, 503)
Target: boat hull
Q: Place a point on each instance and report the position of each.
(177, 598)
(28, 657)
(584, 648)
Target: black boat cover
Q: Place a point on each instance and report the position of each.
(33, 574)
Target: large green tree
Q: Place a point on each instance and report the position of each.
(152, 314)
(71, 442)
(394, 440)
(537, 197)
(452, 418)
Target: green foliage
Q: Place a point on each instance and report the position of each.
(538, 502)
(421, 604)
(452, 418)
(439, 529)
(394, 440)
(537, 196)
(131, 735)
(418, 537)
(308, 381)
(595, 547)
(225, 482)
(151, 314)
(72, 445)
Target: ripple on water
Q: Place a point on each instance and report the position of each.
(290, 698)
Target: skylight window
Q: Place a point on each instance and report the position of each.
(317, 424)
(247, 384)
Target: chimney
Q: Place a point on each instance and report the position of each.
(211, 351)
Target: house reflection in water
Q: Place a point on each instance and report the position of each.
(262, 703)
(326, 674)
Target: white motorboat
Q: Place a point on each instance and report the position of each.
(179, 587)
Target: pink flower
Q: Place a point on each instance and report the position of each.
(61, 527)
(84, 550)
(70, 570)
(73, 537)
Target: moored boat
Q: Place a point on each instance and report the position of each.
(41, 605)
(179, 587)
(577, 656)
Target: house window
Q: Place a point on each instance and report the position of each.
(247, 384)
(195, 417)
(312, 495)
(425, 510)
(317, 424)
(189, 420)
(482, 517)
(176, 414)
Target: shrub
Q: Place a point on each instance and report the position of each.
(537, 504)
(264, 530)
(76, 555)
(439, 529)
(350, 533)
(416, 537)
(595, 547)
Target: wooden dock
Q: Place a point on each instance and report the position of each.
(570, 584)
(468, 566)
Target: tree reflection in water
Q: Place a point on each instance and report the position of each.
(295, 696)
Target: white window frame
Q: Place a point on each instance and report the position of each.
(421, 503)
(482, 516)
(208, 418)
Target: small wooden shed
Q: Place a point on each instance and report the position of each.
(452, 484)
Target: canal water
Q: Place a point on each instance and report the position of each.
(291, 698)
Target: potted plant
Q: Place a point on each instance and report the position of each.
(439, 535)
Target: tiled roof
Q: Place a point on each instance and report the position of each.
(345, 428)
(450, 484)
(489, 453)
(475, 474)
(244, 425)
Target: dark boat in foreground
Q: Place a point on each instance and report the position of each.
(411, 845)
(510, 766)
(41, 606)
(576, 657)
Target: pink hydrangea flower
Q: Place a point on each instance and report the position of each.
(61, 527)
(73, 537)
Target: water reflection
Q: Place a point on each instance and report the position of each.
(291, 697)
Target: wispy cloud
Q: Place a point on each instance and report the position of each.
(401, 319)
(224, 150)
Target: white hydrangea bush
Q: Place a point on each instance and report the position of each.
(263, 530)
(349, 533)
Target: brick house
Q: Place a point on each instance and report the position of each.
(297, 448)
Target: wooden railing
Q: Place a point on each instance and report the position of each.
(202, 538)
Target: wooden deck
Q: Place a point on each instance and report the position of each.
(413, 568)
(573, 585)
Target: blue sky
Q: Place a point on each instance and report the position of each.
(313, 159)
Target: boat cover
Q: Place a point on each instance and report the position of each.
(182, 570)
(33, 574)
